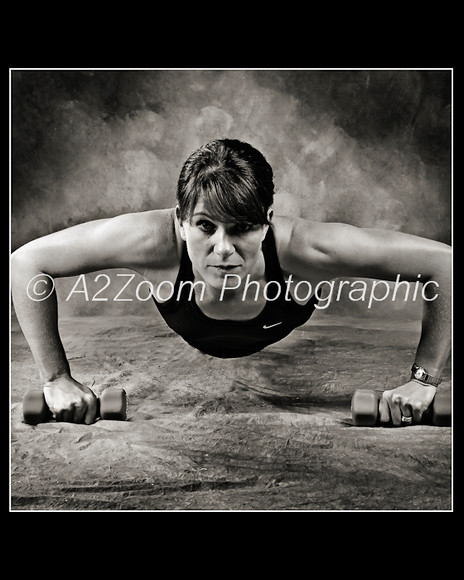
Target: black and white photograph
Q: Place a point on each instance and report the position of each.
(231, 290)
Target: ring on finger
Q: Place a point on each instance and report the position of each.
(406, 419)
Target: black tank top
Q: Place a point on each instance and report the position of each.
(235, 338)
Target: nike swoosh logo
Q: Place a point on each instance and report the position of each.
(266, 326)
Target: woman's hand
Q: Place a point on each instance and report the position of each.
(70, 401)
(409, 400)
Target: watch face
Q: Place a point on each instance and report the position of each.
(420, 374)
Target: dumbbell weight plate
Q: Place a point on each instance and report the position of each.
(113, 404)
(441, 412)
(35, 408)
(365, 408)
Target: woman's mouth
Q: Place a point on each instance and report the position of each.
(225, 267)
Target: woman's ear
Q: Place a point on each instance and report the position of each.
(270, 213)
(179, 222)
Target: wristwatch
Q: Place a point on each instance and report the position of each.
(423, 376)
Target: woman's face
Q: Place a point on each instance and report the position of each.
(217, 248)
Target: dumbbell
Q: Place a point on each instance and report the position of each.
(112, 405)
(365, 409)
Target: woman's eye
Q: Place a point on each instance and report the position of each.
(206, 226)
(243, 228)
(237, 229)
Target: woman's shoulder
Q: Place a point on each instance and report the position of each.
(152, 234)
(294, 234)
(161, 218)
(308, 243)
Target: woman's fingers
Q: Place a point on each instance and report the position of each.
(406, 404)
(406, 412)
(384, 410)
(90, 411)
(395, 407)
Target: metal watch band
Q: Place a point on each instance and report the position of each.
(423, 376)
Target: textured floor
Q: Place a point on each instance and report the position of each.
(269, 432)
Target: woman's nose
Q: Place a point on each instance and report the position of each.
(222, 244)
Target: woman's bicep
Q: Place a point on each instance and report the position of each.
(341, 250)
(121, 242)
(385, 254)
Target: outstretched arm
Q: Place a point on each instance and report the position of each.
(336, 250)
(132, 241)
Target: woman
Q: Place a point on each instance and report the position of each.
(226, 270)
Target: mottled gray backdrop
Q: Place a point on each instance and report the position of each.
(370, 148)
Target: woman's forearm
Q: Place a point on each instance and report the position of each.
(435, 341)
(38, 316)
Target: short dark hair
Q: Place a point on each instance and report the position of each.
(231, 177)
